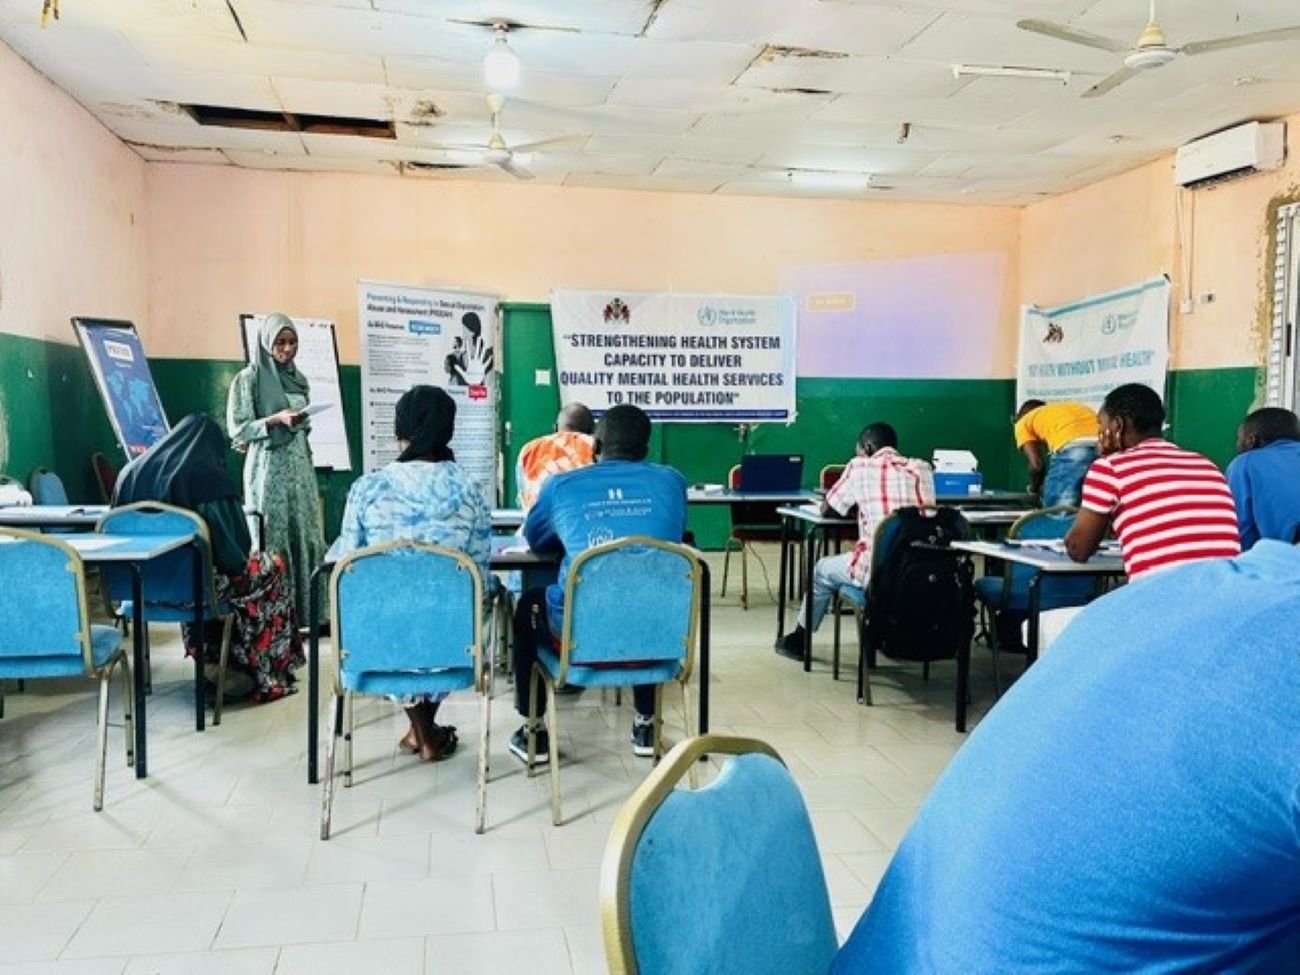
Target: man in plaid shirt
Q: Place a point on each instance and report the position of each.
(877, 481)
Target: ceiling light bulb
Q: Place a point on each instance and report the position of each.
(501, 65)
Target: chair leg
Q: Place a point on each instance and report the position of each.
(864, 673)
(835, 646)
(925, 670)
(533, 678)
(349, 732)
(726, 564)
(222, 661)
(688, 727)
(744, 575)
(485, 732)
(101, 737)
(553, 745)
(128, 705)
(327, 782)
(659, 722)
(148, 661)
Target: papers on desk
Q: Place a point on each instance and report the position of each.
(812, 507)
(1058, 545)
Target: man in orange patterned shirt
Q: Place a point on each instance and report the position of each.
(570, 447)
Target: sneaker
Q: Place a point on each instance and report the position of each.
(643, 739)
(519, 746)
(791, 645)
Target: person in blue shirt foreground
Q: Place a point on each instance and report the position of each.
(1265, 476)
(620, 495)
(1132, 804)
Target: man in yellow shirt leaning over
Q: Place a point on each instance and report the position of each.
(1059, 440)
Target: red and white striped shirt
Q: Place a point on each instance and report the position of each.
(1168, 505)
(878, 485)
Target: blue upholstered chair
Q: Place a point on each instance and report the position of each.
(725, 878)
(631, 608)
(1009, 591)
(47, 487)
(47, 630)
(168, 583)
(408, 620)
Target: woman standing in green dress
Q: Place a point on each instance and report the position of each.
(265, 418)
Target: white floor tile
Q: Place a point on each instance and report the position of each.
(39, 932)
(241, 961)
(23, 875)
(403, 956)
(114, 873)
(498, 953)
(406, 908)
(154, 924)
(547, 899)
(291, 915)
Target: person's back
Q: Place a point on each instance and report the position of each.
(1109, 814)
(1265, 476)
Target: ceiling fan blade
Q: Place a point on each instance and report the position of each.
(548, 143)
(1064, 32)
(518, 172)
(1241, 40)
(1110, 82)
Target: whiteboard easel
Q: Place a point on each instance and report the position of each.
(318, 358)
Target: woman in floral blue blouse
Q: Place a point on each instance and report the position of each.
(423, 496)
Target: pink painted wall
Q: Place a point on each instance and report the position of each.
(72, 210)
(237, 240)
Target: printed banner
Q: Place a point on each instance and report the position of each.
(121, 372)
(412, 335)
(685, 357)
(1084, 349)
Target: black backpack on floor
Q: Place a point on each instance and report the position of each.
(921, 605)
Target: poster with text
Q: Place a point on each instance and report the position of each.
(412, 335)
(684, 357)
(318, 359)
(1084, 349)
(126, 386)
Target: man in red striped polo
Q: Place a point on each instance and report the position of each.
(1167, 505)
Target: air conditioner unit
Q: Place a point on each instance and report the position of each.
(1239, 151)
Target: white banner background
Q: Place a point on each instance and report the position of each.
(1084, 349)
(412, 335)
(684, 357)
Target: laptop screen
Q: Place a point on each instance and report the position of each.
(771, 472)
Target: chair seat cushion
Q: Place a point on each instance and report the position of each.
(105, 645)
(649, 672)
(988, 589)
(405, 683)
(1054, 594)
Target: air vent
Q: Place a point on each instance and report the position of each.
(250, 118)
(416, 166)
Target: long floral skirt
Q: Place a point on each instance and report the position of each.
(265, 643)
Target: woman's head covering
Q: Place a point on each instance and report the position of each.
(273, 381)
(426, 419)
(185, 468)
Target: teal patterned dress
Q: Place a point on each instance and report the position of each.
(280, 482)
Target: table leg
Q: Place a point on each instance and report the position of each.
(702, 727)
(782, 588)
(313, 678)
(200, 603)
(137, 653)
(1035, 604)
(809, 549)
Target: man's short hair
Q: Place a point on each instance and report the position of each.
(624, 433)
(1271, 423)
(875, 436)
(575, 418)
(1138, 404)
(1029, 405)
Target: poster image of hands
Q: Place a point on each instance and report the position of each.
(413, 335)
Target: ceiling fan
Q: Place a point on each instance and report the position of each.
(1151, 50)
(506, 157)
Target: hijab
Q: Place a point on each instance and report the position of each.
(426, 419)
(186, 468)
(273, 381)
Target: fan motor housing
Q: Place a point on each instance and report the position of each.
(1146, 58)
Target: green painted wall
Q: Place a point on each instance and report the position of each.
(52, 415)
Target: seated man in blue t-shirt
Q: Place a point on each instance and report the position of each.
(1265, 476)
(1130, 805)
(620, 495)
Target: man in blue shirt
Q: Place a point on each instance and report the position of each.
(1111, 813)
(1265, 476)
(620, 495)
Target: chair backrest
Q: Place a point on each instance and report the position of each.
(829, 475)
(105, 475)
(168, 580)
(47, 487)
(633, 600)
(406, 606)
(46, 629)
(725, 878)
(1055, 591)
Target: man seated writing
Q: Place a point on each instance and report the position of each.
(877, 481)
(620, 495)
(1265, 477)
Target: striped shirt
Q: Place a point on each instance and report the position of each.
(878, 485)
(1168, 505)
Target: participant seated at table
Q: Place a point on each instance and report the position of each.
(1265, 476)
(1167, 505)
(1110, 816)
(1068, 431)
(423, 496)
(187, 469)
(877, 481)
(570, 447)
(622, 494)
